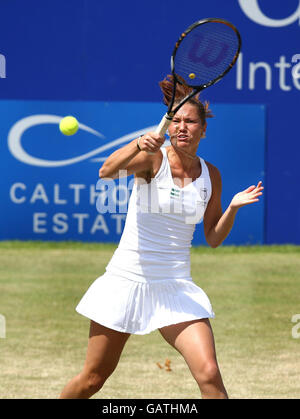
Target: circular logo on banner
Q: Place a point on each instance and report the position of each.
(252, 10)
(18, 129)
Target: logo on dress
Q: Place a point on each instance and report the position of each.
(175, 193)
(203, 193)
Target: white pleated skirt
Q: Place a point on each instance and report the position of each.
(142, 307)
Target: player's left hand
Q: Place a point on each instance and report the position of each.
(248, 196)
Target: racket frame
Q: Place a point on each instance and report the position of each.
(168, 117)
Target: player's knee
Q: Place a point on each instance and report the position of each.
(93, 382)
(208, 374)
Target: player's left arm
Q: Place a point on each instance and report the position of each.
(217, 225)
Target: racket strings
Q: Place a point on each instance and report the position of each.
(205, 53)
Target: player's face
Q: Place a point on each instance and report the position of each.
(186, 128)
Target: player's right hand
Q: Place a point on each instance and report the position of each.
(151, 142)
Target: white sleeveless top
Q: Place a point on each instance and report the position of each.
(147, 283)
(159, 227)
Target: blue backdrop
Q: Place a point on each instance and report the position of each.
(51, 188)
(91, 50)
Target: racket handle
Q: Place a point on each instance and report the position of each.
(163, 125)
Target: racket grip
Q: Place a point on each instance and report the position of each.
(163, 125)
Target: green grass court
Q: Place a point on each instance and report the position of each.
(254, 292)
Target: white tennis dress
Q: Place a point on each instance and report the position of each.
(147, 283)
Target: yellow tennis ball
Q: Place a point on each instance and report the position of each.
(69, 125)
(192, 75)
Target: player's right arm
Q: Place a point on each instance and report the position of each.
(131, 160)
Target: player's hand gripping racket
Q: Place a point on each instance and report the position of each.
(204, 53)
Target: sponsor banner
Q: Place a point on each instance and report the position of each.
(50, 189)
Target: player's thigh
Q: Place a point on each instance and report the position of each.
(194, 340)
(104, 349)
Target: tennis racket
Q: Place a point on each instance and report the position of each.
(202, 56)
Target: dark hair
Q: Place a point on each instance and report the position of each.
(182, 91)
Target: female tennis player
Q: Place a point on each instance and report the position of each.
(147, 284)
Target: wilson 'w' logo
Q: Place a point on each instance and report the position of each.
(207, 51)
